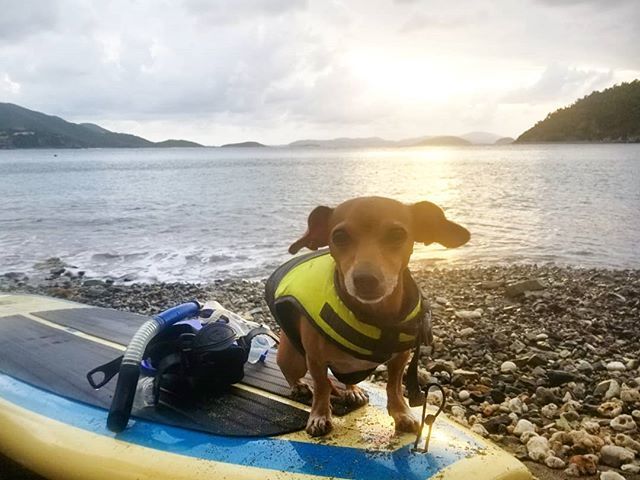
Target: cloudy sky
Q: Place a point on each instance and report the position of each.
(279, 70)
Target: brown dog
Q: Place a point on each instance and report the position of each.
(371, 305)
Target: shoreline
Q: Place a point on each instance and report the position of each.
(543, 360)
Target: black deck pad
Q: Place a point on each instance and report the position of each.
(119, 327)
(57, 361)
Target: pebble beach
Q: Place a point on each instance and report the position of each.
(543, 360)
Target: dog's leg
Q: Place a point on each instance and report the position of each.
(396, 404)
(294, 367)
(320, 417)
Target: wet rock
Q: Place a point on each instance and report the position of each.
(497, 424)
(491, 284)
(497, 395)
(615, 456)
(545, 396)
(95, 292)
(623, 423)
(93, 283)
(517, 346)
(520, 288)
(557, 378)
(584, 367)
(461, 377)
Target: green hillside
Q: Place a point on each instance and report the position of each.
(24, 128)
(612, 115)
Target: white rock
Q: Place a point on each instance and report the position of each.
(508, 367)
(616, 367)
(623, 423)
(517, 406)
(549, 411)
(470, 314)
(631, 468)
(615, 456)
(523, 426)
(542, 336)
(526, 436)
(457, 411)
(591, 427)
(463, 395)
(479, 429)
(630, 395)
(611, 475)
(465, 332)
(538, 448)
(610, 387)
(626, 441)
(554, 462)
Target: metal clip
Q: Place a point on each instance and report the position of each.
(428, 419)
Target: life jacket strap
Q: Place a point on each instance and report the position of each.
(424, 336)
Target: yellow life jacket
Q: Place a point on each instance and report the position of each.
(307, 284)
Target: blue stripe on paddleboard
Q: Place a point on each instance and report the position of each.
(267, 453)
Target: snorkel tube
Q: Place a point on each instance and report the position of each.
(129, 372)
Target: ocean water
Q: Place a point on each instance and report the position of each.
(203, 214)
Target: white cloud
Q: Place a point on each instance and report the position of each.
(278, 70)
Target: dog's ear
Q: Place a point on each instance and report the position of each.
(317, 234)
(430, 225)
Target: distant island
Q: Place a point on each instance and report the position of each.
(612, 115)
(24, 128)
(471, 138)
(443, 141)
(243, 145)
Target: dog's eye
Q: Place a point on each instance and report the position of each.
(395, 236)
(341, 238)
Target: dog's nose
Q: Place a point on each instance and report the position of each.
(365, 282)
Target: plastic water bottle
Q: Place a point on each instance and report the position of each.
(260, 345)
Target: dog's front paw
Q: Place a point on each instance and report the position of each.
(319, 425)
(354, 396)
(405, 421)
